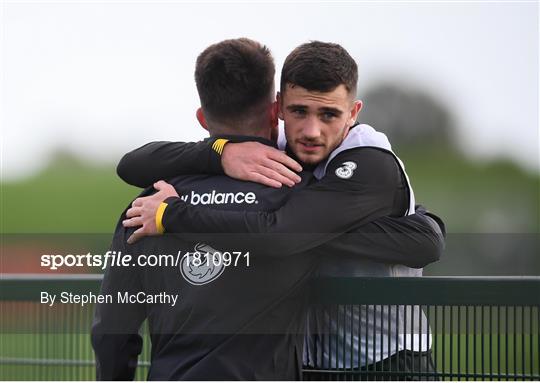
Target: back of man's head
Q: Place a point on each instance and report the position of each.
(235, 81)
(321, 67)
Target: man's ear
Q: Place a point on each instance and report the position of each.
(274, 110)
(357, 107)
(201, 119)
(279, 103)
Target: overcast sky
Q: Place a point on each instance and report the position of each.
(101, 77)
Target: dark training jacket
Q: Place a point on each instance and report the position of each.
(246, 321)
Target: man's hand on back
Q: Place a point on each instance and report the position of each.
(143, 211)
(255, 162)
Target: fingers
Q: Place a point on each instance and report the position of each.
(160, 185)
(274, 175)
(164, 190)
(142, 200)
(283, 173)
(163, 186)
(261, 179)
(284, 159)
(134, 212)
(253, 161)
(141, 232)
(137, 234)
(132, 222)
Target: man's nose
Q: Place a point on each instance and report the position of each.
(311, 128)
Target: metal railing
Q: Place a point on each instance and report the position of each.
(478, 328)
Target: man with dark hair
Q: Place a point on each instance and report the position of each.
(237, 105)
(360, 181)
(197, 338)
(308, 66)
(235, 319)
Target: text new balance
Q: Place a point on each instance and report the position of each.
(215, 198)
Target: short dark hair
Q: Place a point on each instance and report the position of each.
(319, 66)
(233, 77)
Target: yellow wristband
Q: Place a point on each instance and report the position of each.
(159, 217)
(219, 144)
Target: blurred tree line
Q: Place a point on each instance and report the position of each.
(491, 209)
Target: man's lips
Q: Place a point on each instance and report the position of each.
(310, 146)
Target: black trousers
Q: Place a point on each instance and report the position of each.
(403, 365)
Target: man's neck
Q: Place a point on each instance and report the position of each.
(226, 131)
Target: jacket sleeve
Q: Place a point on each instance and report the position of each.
(115, 329)
(312, 216)
(161, 159)
(415, 240)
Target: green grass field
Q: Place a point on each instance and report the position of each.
(70, 356)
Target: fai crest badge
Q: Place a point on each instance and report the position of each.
(199, 267)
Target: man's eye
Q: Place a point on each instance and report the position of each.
(328, 115)
(299, 112)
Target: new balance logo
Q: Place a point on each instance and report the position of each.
(215, 198)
